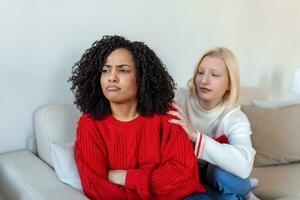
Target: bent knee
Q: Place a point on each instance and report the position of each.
(216, 173)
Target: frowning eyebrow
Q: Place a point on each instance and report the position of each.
(119, 66)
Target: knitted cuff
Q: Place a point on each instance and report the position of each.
(132, 177)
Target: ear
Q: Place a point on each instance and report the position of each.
(228, 88)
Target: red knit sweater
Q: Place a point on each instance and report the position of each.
(157, 155)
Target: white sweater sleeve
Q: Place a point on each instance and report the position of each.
(237, 156)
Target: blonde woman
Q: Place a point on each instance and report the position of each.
(208, 110)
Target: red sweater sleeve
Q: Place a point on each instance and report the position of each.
(91, 159)
(176, 176)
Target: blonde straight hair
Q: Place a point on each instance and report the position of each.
(231, 98)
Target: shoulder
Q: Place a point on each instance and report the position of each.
(235, 116)
(85, 119)
(88, 136)
(86, 123)
(165, 117)
(236, 113)
(164, 121)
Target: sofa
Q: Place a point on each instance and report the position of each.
(275, 128)
(29, 174)
(276, 139)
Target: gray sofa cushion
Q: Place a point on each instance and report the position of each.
(23, 176)
(55, 123)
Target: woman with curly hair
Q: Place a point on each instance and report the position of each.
(125, 147)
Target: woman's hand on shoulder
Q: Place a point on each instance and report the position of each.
(183, 121)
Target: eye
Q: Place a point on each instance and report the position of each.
(104, 70)
(200, 72)
(124, 71)
(215, 75)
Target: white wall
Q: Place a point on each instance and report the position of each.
(40, 40)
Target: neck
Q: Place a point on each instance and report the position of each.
(209, 105)
(124, 112)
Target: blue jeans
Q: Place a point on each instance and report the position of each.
(221, 185)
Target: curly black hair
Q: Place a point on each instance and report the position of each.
(155, 87)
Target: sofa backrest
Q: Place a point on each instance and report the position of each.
(275, 134)
(249, 93)
(55, 123)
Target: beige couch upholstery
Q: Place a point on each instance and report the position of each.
(29, 174)
(276, 139)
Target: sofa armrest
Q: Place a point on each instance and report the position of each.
(24, 176)
(31, 145)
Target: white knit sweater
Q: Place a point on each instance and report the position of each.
(236, 155)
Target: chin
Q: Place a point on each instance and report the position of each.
(205, 98)
(117, 100)
(114, 100)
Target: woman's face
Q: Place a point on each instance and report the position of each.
(118, 81)
(211, 81)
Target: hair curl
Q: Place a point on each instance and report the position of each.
(155, 85)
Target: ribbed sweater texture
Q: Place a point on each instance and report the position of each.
(157, 155)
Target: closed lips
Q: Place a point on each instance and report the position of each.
(205, 89)
(112, 88)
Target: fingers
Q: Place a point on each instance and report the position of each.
(177, 107)
(176, 121)
(176, 114)
(180, 123)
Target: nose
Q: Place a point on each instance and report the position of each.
(113, 76)
(205, 78)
